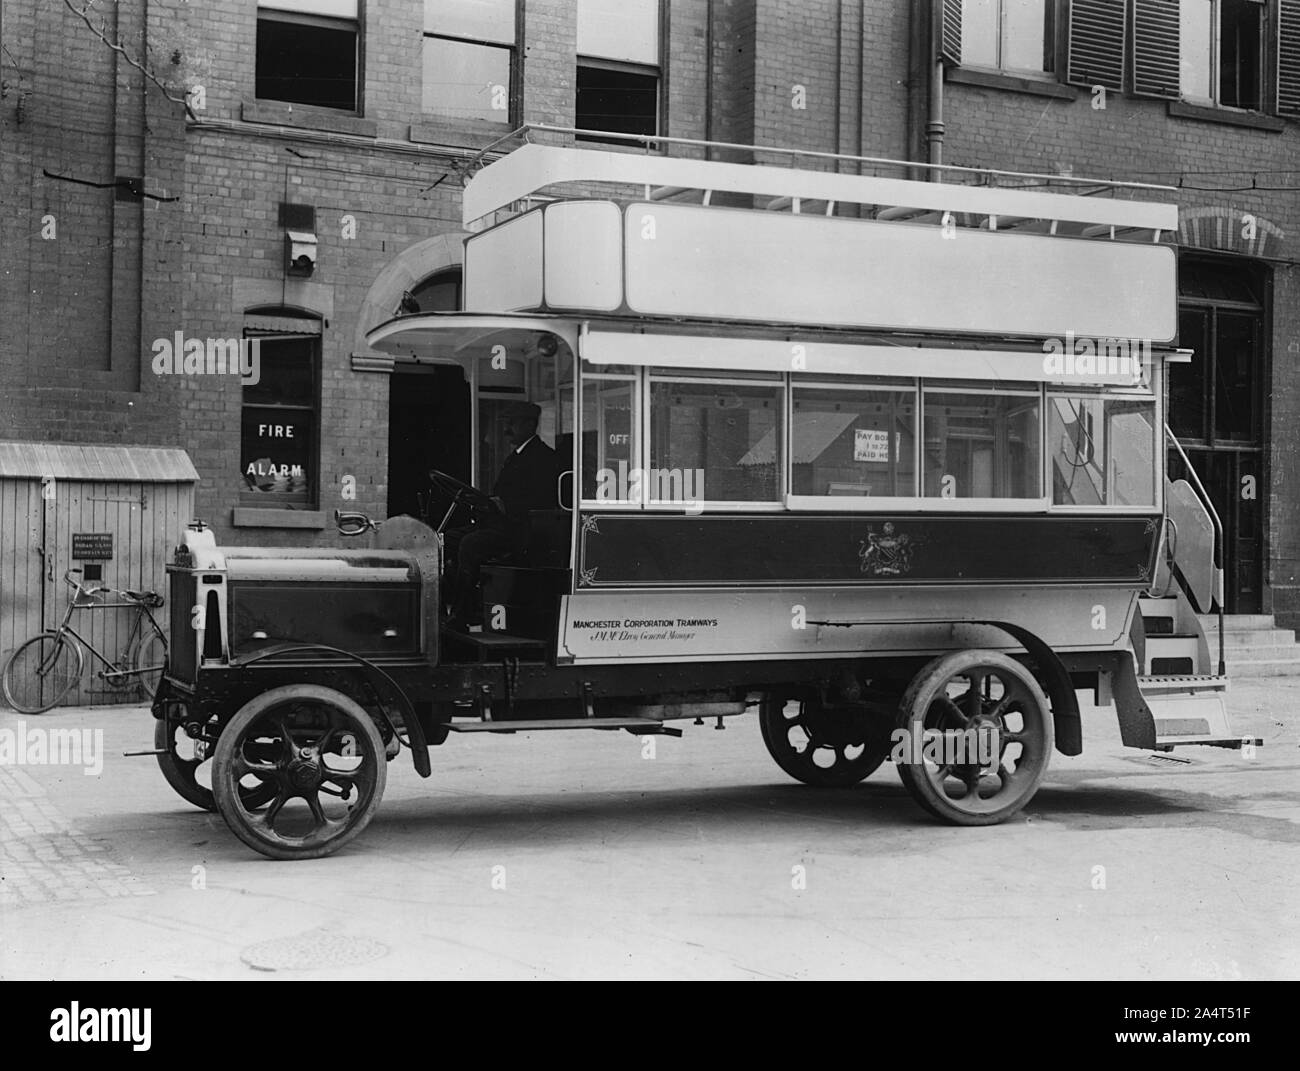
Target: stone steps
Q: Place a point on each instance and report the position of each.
(1253, 645)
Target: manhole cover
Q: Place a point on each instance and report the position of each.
(311, 950)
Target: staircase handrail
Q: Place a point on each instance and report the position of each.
(1204, 497)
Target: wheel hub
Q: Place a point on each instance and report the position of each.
(304, 773)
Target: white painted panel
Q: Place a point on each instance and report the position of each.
(338, 9)
(829, 358)
(503, 266)
(584, 255)
(728, 264)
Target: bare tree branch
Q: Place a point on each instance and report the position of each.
(101, 32)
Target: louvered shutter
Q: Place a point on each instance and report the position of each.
(1288, 57)
(950, 30)
(1155, 48)
(1096, 43)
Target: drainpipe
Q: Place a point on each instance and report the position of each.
(934, 56)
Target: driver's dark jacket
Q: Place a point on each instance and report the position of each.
(527, 481)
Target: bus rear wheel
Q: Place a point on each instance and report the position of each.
(978, 736)
(829, 747)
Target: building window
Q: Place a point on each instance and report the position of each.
(1219, 51)
(1009, 35)
(469, 58)
(1218, 396)
(307, 52)
(279, 424)
(618, 67)
(981, 445)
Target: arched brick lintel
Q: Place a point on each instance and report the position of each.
(1230, 230)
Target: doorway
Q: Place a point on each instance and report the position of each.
(1216, 409)
(428, 428)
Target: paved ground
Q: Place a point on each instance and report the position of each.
(701, 862)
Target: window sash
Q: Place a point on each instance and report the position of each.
(1008, 35)
(625, 30)
(337, 9)
(1198, 49)
(441, 98)
(490, 22)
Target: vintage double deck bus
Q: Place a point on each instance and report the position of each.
(883, 460)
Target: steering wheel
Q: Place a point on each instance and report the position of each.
(462, 493)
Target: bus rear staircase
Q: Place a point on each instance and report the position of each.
(1183, 678)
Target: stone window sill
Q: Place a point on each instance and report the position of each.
(304, 116)
(1011, 83)
(436, 130)
(252, 517)
(1228, 116)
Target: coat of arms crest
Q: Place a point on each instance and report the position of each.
(886, 553)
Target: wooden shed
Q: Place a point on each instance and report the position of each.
(116, 512)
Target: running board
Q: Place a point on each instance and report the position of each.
(1190, 709)
(638, 725)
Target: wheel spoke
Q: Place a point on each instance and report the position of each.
(242, 766)
(283, 729)
(949, 706)
(973, 700)
(273, 812)
(317, 811)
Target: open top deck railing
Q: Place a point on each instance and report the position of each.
(799, 181)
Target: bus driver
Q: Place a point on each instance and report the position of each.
(527, 481)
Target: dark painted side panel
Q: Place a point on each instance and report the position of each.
(619, 550)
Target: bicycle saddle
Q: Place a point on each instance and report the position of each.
(149, 598)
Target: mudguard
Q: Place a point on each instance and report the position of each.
(1056, 683)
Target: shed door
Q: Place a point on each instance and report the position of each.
(143, 520)
(21, 572)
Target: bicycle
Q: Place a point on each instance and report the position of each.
(46, 667)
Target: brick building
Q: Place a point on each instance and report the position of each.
(335, 134)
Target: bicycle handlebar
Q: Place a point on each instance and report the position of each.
(149, 599)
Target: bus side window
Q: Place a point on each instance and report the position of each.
(609, 439)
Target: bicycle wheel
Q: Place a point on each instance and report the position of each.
(148, 652)
(41, 672)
